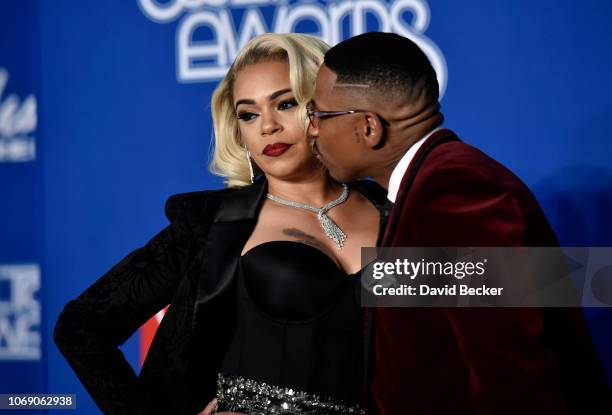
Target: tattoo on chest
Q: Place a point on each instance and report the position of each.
(303, 237)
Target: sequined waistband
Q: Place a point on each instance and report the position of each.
(237, 394)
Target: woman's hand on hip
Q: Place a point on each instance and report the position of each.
(211, 407)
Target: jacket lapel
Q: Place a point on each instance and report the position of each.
(385, 238)
(233, 223)
(437, 138)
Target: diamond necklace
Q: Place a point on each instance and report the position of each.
(330, 228)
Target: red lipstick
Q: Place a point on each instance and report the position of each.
(276, 149)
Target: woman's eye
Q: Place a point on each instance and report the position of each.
(246, 116)
(285, 105)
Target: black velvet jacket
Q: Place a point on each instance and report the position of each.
(190, 265)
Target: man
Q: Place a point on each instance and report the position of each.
(375, 113)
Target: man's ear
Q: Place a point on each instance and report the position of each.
(373, 130)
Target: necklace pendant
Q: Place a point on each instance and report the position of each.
(332, 230)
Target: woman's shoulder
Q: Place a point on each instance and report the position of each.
(197, 207)
(194, 203)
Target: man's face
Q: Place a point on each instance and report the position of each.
(338, 143)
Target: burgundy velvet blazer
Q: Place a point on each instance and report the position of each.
(477, 361)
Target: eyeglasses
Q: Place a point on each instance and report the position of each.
(315, 116)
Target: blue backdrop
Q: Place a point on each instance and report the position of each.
(104, 113)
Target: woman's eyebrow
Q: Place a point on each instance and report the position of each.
(271, 97)
(277, 94)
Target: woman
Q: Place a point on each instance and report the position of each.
(260, 277)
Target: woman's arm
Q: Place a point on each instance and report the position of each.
(91, 327)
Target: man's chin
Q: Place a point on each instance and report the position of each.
(339, 177)
(335, 173)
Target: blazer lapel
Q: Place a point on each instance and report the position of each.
(437, 138)
(232, 225)
(385, 238)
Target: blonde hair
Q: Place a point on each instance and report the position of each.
(303, 53)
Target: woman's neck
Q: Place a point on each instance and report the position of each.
(316, 191)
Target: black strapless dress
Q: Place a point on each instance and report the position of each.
(297, 346)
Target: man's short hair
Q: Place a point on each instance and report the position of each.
(388, 63)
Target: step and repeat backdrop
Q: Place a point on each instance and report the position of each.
(105, 112)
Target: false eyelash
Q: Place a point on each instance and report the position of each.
(243, 116)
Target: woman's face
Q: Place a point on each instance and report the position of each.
(269, 123)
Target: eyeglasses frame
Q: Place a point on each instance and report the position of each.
(323, 115)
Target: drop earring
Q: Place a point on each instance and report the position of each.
(248, 157)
